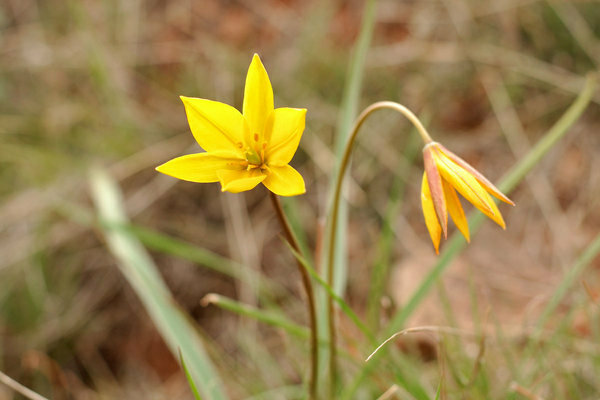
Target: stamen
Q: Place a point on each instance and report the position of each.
(256, 137)
(262, 151)
(244, 163)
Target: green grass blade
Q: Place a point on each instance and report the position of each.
(170, 245)
(584, 259)
(337, 273)
(264, 316)
(349, 109)
(167, 244)
(439, 391)
(141, 273)
(339, 300)
(189, 377)
(187, 251)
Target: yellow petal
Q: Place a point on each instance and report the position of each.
(470, 188)
(216, 126)
(258, 98)
(489, 186)
(433, 226)
(201, 167)
(464, 182)
(455, 209)
(239, 181)
(284, 129)
(496, 216)
(285, 181)
(435, 187)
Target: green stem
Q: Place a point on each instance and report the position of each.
(314, 337)
(336, 205)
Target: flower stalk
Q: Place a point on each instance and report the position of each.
(308, 288)
(336, 204)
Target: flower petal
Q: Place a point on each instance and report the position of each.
(435, 187)
(455, 209)
(239, 181)
(433, 226)
(258, 98)
(284, 129)
(464, 182)
(216, 126)
(489, 186)
(470, 188)
(285, 181)
(201, 167)
(496, 216)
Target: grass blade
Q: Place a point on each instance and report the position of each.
(339, 300)
(189, 377)
(349, 109)
(586, 257)
(266, 317)
(142, 274)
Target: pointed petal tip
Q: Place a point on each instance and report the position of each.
(500, 196)
(256, 59)
(500, 222)
(160, 168)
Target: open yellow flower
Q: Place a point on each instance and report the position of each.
(445, 173)
(243, 149)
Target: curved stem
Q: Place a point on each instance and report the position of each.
(314, 350)
(336, 202)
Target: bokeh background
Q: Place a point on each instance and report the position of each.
(88, 84)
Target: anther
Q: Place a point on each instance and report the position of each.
(256, 137)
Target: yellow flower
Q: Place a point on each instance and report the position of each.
(243, 149)
(445, 172)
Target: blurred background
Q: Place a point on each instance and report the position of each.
(96, 83)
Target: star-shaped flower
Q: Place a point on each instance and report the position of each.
(243, 149)
(445, 172)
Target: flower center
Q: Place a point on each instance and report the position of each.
(255, 155)
(252, 157)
